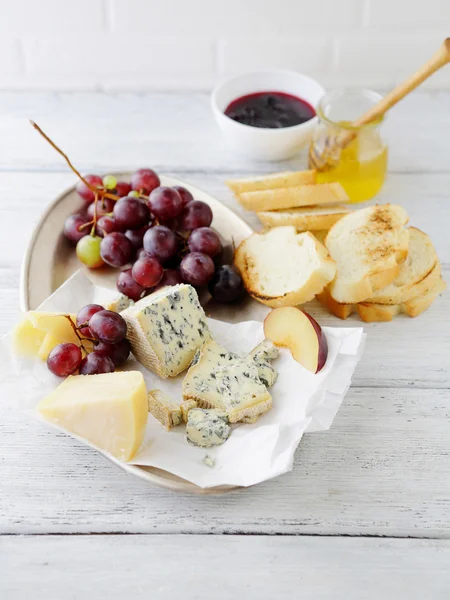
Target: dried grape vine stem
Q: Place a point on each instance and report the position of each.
(102, 193)
(76, 331)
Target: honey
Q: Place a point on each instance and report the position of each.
(360, 166)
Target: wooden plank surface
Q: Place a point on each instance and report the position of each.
(206, 567)
(382, 469)
(105, 131)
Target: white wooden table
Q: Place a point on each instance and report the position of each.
(365, 513)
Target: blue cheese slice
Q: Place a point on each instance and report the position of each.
(207, 427)
(265, 352)
(223, 380)
(120, 303)
(166, 329)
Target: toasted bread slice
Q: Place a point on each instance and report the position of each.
(422, 296)
(284, 268)
(371, 312)
(270, 182)
(367, 245)
(293, 197)
(421, 262)
(313, 218)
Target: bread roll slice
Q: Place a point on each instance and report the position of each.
(368, 246)
(270, 182)
(371, 312)
(314, 218)
(418, 272)
(281, 267)
(293, 197)
(422, 295)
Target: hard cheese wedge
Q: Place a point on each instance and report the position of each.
(27, 339)
(39, 332)
(110, 410)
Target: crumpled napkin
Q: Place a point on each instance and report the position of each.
(302, 402)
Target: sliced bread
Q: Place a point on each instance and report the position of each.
(422, 295)
(293, 197)
(270, 182)
(371, 312)
(281, 267)
(368, 246)
(419, 271)
(314, 218)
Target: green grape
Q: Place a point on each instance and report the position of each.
(110, 182)
(134, 194)
(88, 251)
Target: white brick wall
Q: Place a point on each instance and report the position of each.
(176, 44)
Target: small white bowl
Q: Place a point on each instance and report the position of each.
(257, 142)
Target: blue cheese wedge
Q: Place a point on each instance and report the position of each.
(264, 352)
(166, 329)
(207, 427)
(120, 303)
(223, 380)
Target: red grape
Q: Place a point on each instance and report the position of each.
(165, 203)
(226, 284)
(106, 225)
(197, 268)
(116, 249)
(170, 277)
(84, 191)
(96, 363)
(108, 326)
(118, 353)
(131, 213)
(147, 271)
(83, 316)
(123, 189)
(145, 181)
(160, 242)
(136, 236)
(195, 214)
(141, 253)
(185, 194)
(128, 286)
(88, 251)
(206, 240)
(104, 207)
(64, 359)
(72, 227)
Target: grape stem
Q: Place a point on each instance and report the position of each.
(94, 224)
(75, 329)
(104, 193)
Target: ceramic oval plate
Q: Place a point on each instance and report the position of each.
(50, 260)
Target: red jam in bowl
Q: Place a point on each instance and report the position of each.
(271, 110)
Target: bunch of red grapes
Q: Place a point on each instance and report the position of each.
(106, 330)
(157, 235)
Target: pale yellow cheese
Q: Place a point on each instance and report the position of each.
(39, 332)
(110, 410)
(27, 339)
(55, 323)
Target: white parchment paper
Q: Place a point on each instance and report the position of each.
(302, 402)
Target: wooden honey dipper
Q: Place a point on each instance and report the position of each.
(329, 156)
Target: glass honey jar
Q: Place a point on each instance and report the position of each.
(356, 157)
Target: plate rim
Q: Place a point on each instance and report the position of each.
(172, 483)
